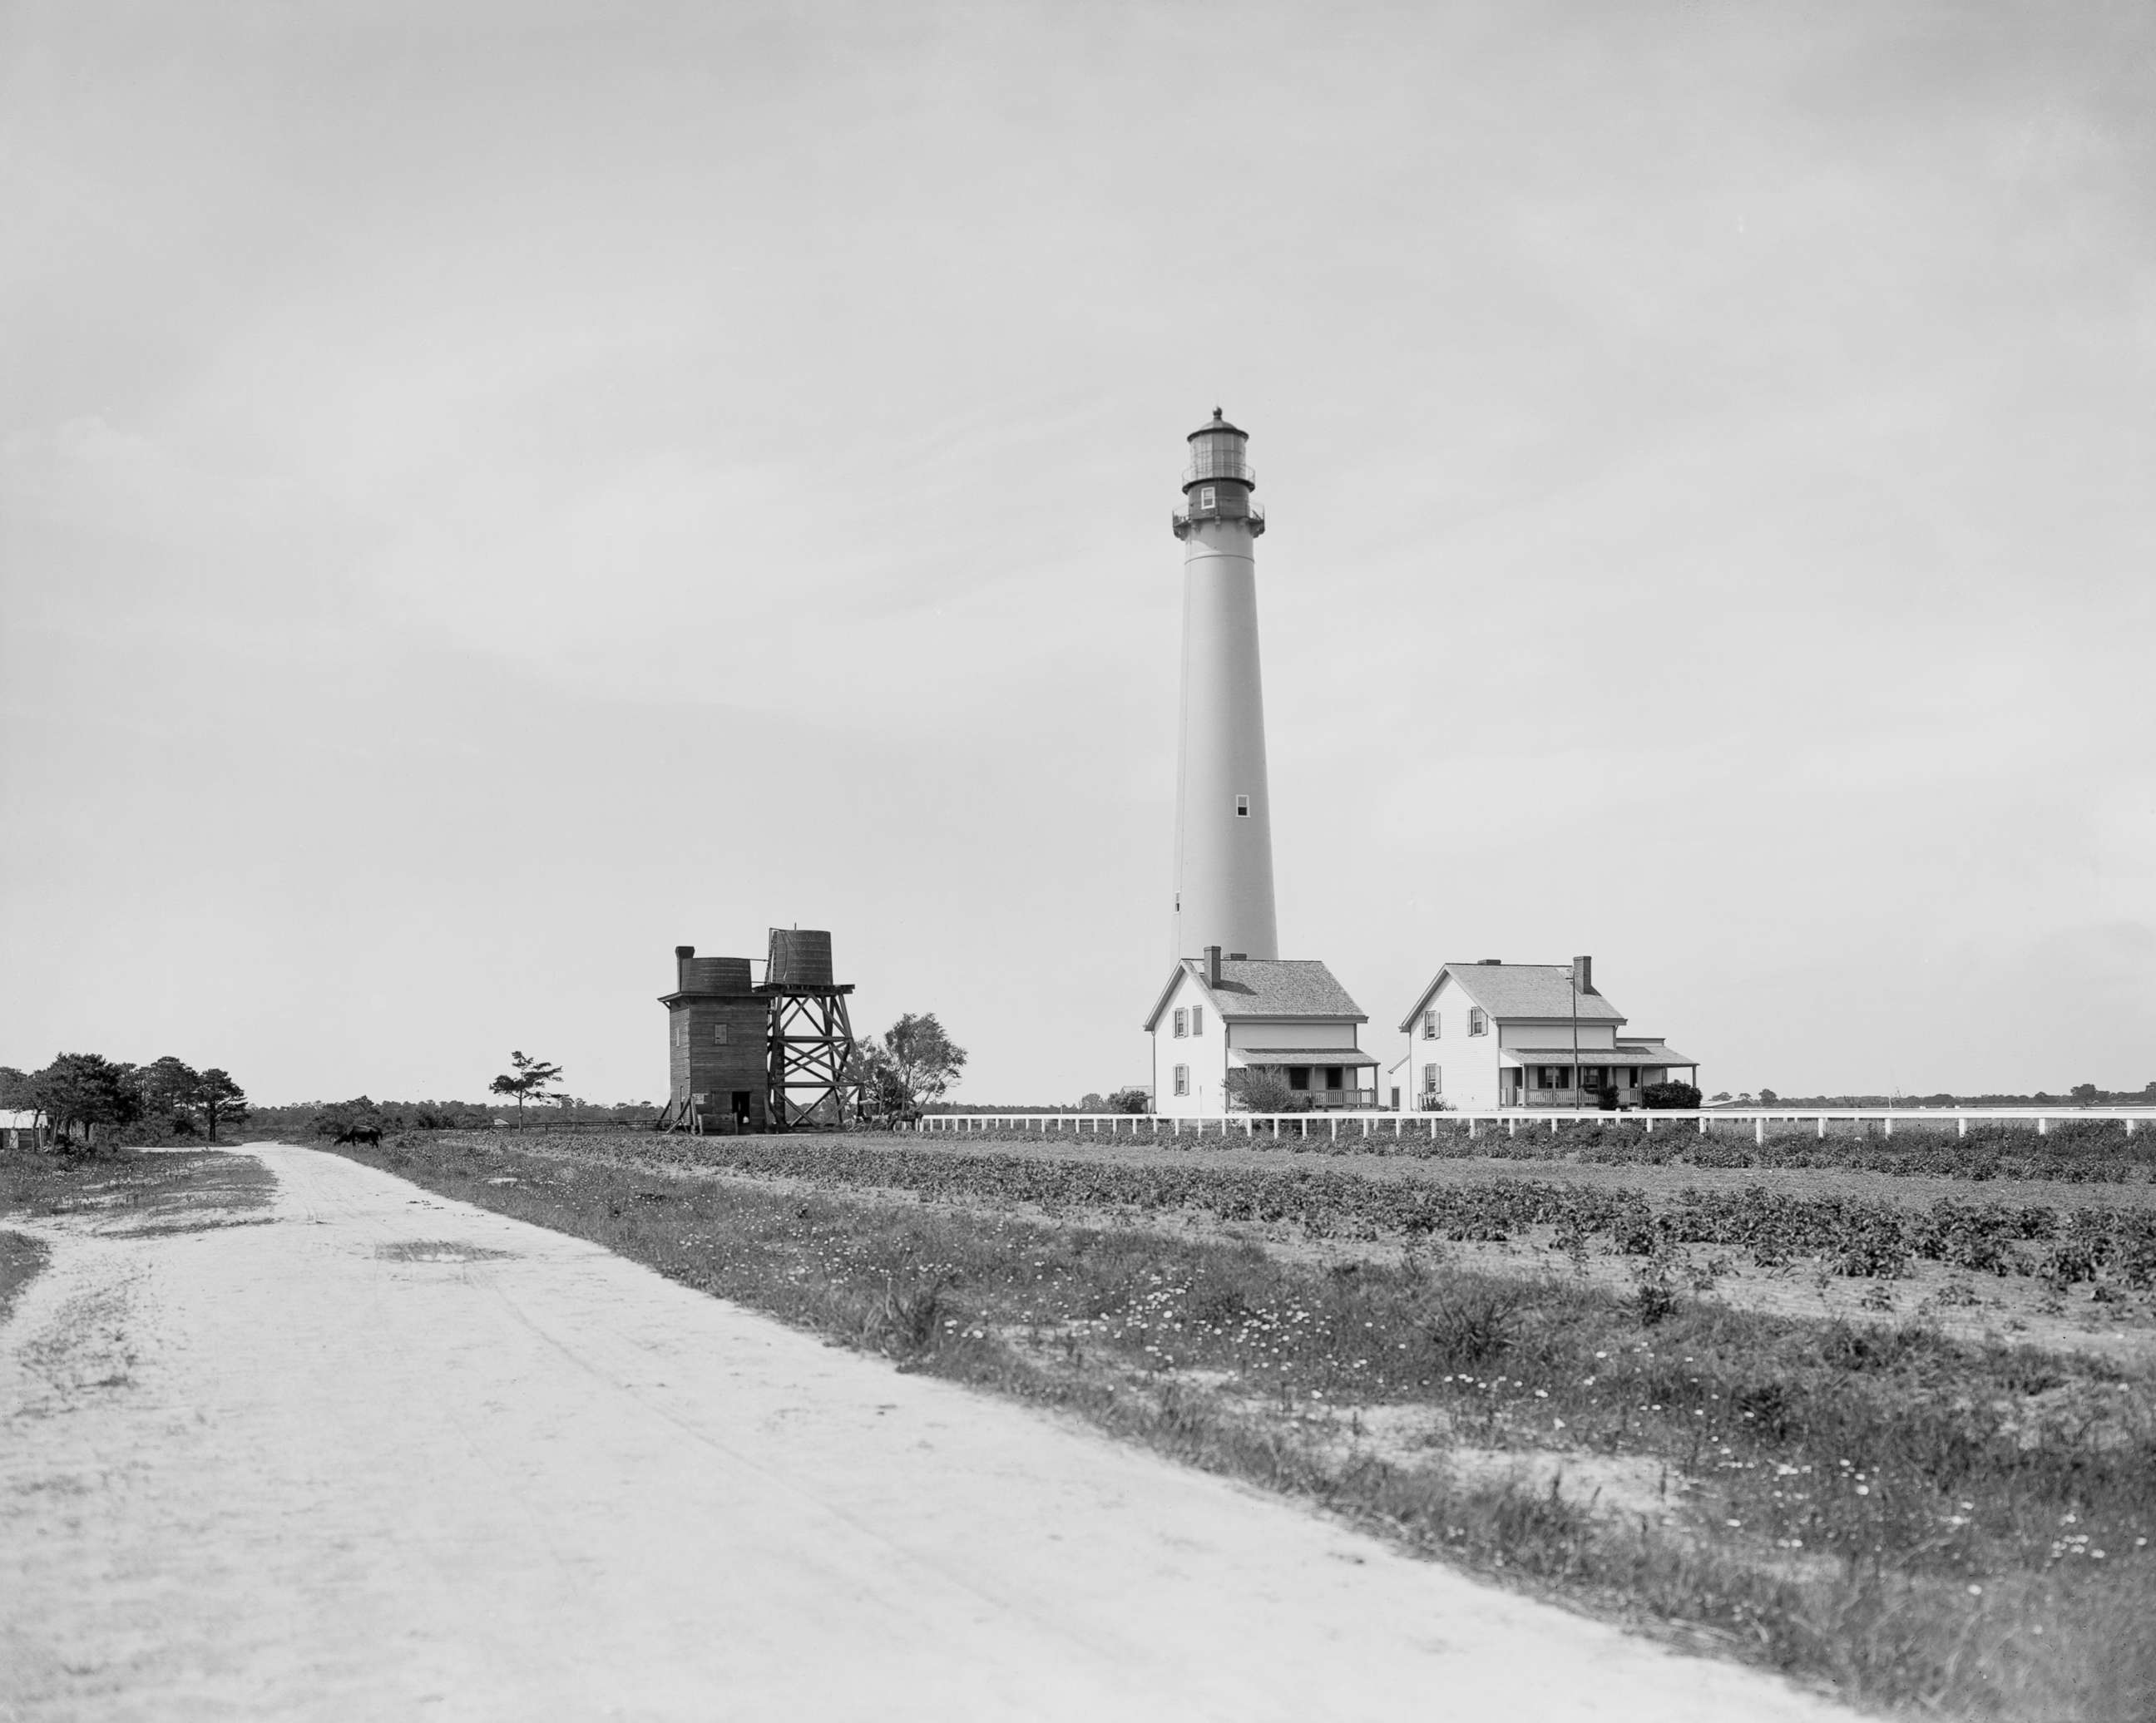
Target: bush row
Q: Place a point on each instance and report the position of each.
(2073, 1151)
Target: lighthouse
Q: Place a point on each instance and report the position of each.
(1224, 833)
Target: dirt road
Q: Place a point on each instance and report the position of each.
(374, 1454)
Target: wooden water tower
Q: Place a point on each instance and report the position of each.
(812, 1037)
(747, 1056)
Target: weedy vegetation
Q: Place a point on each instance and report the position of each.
(1917, 1520)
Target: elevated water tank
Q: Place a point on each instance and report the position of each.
(800, 957)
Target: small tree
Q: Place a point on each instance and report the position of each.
(527, 1081)
(1673, 1097)
(88, 1090)
(168, 1087)
(2084, 1093)
(221, 1100)
(873, 1076)
(1130, 1100)
(913, 1066)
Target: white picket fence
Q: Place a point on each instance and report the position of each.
(1253, 1126)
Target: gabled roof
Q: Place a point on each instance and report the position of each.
(1511, 991)
(1298, 987)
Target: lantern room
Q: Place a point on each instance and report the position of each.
(1218, 482)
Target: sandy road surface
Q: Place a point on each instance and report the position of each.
(343, 1464)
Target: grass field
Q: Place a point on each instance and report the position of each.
(1916, 1518)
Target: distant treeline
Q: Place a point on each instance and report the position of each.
(2082, 1094)
(316, 1118)
(111, 1101)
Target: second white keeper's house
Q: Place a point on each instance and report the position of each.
(1222, 1014)
(1489, 1034)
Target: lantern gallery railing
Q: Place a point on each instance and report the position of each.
(1373, 1123)
(1219, 463)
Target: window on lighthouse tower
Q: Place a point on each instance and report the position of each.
(1242, 807)
(1205, 497)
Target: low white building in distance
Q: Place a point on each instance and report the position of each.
(1222, 1014)
(1489, 1034)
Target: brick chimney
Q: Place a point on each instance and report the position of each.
(1583, 974)
(1212, 965)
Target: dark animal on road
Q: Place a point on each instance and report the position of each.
(370, 1135)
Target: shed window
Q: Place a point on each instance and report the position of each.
(1431, 1025)
(1182, 1023)
(1183, 1080)
(1478, 1021)
(719, 1032)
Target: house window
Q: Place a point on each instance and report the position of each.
(1432, 1079)
(1182, 1026)
(1198, 1019)
(1478, 1021)
(1205, 497)
(1336, 1076)
(1557, 1076)
(1183, 1080)
(1429, 1025)
(1298, 1076)
(719, 1032)
(1242, 807)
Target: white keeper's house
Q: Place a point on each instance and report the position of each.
(1221, 1014)
(1489, 1034)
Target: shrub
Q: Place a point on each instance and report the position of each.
(1264, 1088)
(1679, 1097)
(1473, 1326)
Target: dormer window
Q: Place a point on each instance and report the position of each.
(1478, 1021)
(1431, 1025)
(1182, 1023)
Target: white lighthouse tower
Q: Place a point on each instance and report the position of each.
(1223, 832)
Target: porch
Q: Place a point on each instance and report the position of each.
(1609, 1078)
(1325, 1079)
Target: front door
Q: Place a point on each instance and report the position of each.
(740, 1109)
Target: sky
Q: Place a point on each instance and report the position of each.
(492, 492)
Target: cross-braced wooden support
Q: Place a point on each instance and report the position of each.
(811, 1044)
